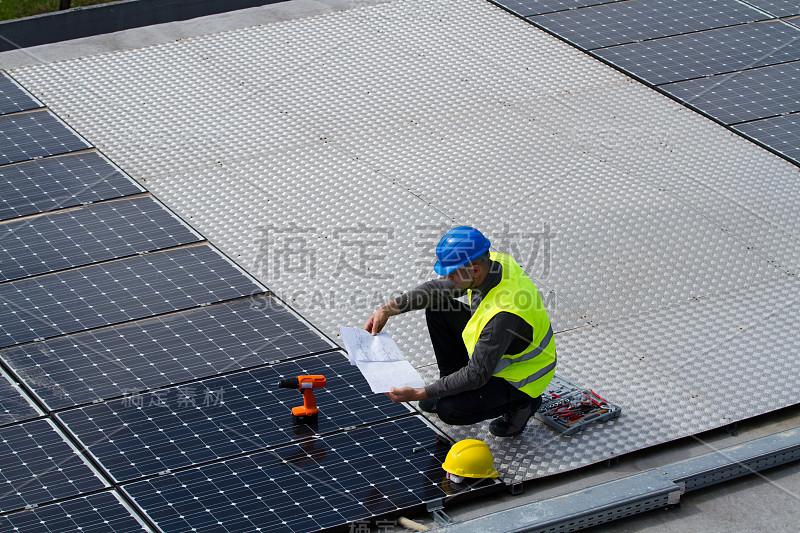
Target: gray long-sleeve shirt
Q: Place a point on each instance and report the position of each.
(505, 333)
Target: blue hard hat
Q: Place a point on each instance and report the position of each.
(458, 247)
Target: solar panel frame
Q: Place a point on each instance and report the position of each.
(59, 182)
(156, 352)
(102, 512)
(745, 95)
(86, 235)
(707, 53)
(637, 20)
(777, 8)
(110, 293)
(35, 134)
(525, 8)
(15, 406)
(40, 465)
(308, 486)
(781, 134)
(14, 98)
(220, 417)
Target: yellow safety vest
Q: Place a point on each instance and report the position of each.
(532, 369)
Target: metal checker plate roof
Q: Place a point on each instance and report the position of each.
(103, 512)
(568, 151)
(110, 293)
(36, 447)
(303, 487)
(35, 134)
(636, 20)
(91, 234)
(153, 353)
(220, 417)
(782, 134)
(14, 98)
(744, 96)
(706, 53)
(59, 182)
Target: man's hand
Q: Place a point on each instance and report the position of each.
(406, 394)
(378, 319)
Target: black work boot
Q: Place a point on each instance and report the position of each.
(513, 422)
(428, 404)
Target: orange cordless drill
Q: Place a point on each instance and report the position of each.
(306, 384)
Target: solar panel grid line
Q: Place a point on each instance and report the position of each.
(41, 465)
(780, 135)
(706, 53)
(220, 417)
(16, 405)
(526, 8)
(775, 8)
(13, 97)
(101, 512)
(35, 134)
(62, 181)
(154, 353)
(99, 295)
(355, 475)
(745, 95)
(104, 231)
(641, 20)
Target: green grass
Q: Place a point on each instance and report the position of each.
(14, 9)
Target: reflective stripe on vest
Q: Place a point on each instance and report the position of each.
(505, 362)
(533, 368)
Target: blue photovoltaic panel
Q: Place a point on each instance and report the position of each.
(217, 418)
(152, 353)
(14, 98)
(526, 8)
(782, 134)
(317, 484)
(14, 406)
(636, 20)
(38, 466)
(745, 95)
(119, 291)
(777, 8)
(57, 182)
(707, 53)
(97, 513)
(86, 235)
(35, 134)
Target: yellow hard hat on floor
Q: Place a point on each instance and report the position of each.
(470, 458)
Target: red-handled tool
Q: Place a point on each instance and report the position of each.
(305, 384)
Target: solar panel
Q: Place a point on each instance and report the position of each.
(40, 466)
(745, 95)
(110, 293)
(152, 353)
(526, 8)
(14, 98)
(35, 134)
(91, 234)
(217, 418)
(58, 182)
(636, 20)
(317, 484)
(14, 405)
(103, 512)
(782, 134)
(707, 53)
(777, 8)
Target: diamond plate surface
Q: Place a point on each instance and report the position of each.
(328, 154)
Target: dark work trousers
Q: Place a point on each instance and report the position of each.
(498, 396)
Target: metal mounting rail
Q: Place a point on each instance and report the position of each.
(647, 490)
